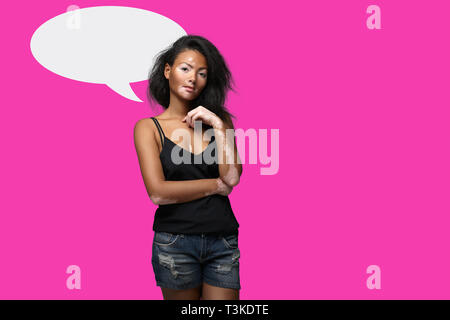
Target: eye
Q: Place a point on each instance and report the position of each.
(203, 74)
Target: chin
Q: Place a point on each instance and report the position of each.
(188, 98)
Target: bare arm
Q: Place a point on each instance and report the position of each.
(230, 170)
(230, 166)
(159, 190)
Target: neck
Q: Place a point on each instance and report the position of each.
(177, 108)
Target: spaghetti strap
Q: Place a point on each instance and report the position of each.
(160, 130)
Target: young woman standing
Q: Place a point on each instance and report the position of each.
(195, 252)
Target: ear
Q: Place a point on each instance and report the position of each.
(166, 71)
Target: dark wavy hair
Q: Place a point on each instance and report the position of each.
(218, 83)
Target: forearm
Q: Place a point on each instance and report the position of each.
(230, 167)
(168, 192)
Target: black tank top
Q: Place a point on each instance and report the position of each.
(208, 215)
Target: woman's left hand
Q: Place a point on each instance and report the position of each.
(205, 115)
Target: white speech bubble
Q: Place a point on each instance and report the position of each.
(111, 45)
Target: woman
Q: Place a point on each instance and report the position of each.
(195, 252)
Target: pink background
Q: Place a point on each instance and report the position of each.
(364, 155)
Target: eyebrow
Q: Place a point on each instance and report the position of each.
(192, 66)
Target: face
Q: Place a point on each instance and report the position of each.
(189, 69)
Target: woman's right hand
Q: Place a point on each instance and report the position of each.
(222, 188)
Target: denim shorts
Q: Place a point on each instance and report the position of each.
(184, 261)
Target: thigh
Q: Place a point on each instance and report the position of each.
(175, 264)
(210, 292)
(187, 294)
(221, 268)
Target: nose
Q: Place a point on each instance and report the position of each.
(191, 79)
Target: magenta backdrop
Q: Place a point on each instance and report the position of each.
(363, 118)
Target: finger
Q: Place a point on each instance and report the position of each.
(198, 115)
(191, 114)
(187, 119)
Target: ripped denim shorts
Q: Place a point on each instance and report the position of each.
(184, 261)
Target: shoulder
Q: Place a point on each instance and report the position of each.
(144, 129)
(142, 124)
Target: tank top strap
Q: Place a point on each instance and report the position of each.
(160, 130)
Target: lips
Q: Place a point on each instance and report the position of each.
(190, 89)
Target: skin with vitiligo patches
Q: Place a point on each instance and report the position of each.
(162, 200)
(232, 174)
(222, 189)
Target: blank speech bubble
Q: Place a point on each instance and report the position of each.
(111, 45)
